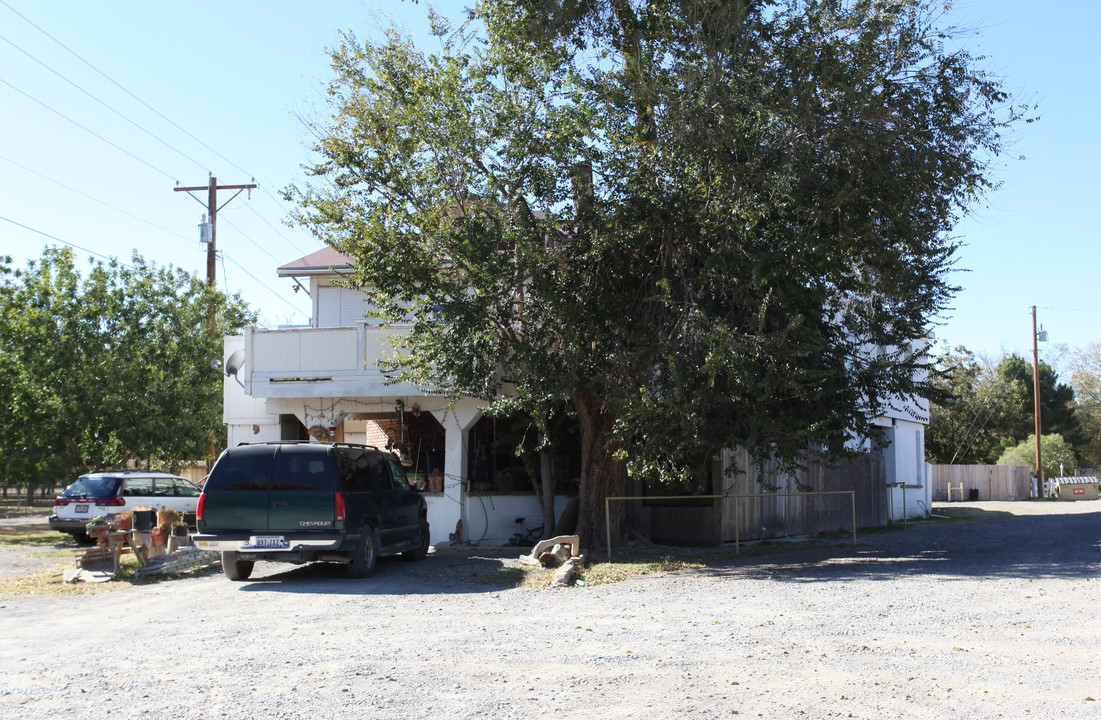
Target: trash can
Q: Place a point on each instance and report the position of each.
(144, 520)
(973, 494)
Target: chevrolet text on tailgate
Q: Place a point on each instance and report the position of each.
(302, 502)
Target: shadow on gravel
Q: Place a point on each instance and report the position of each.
(468, 571)
(1024, 546)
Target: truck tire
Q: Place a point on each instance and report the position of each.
(364, 555)
(235, 569)
(421, 551)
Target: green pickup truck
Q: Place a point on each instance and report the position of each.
(302, 502)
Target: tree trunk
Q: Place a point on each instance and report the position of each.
(550, 480)
(601, 475)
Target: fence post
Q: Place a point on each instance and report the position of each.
(608, 528)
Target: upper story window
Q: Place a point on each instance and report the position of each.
(341, 307)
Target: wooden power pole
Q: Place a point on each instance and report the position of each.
(212, 212)
(1036, 405)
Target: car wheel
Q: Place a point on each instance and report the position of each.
(236, 569)
(421, 551)
(364, 555)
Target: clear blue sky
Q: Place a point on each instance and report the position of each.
(234, 74)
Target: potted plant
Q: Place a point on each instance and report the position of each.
(124, 521)
(180, 529)
(97, 526)
(166, 518)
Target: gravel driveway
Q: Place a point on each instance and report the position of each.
(966, 620)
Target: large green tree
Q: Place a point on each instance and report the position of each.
(972, 409)
(980, 409)
(109, 366)
(1085, 378)
(701, 223)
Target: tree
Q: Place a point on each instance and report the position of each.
(108, 367)
(702, 223)
(1056, 454)
(969, 413)
(979, 409)
(1085, 378)
(1056, 401)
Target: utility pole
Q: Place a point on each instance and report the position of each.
(212, 212)
(1036, 404)
(212, 206)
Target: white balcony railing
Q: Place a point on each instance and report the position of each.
(319, 362)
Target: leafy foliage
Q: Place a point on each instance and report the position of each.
(1085, 378)
(704, 223)
(107, 367)
(1054, 452)
(983, 409)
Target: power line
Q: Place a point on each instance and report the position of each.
(96, 200)
(101, 102)
(109, 259)
(273, 292)
(259, 247)
(63, 242)
(139, 100)
(120, 87)
(85, 129)
(277, 232)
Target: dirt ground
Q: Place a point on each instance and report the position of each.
(996, 618)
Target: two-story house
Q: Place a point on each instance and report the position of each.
(323, 382)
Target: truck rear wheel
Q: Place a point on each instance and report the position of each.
(364, 555)
(235, 569)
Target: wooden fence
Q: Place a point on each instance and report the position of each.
(991, 482)
(713, 521)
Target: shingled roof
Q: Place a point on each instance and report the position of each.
(323, 262)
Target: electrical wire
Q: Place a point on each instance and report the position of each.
(277, 231)
(120, 87)
(136, 98)
(273, 292)
(65, 242)
(259, 247)
(116, 112)
(96, 200)
(989, 414)
(88, 130)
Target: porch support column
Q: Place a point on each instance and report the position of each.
(456, 421)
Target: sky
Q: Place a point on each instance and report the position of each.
(106, 107)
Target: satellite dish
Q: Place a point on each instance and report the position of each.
(235, 362)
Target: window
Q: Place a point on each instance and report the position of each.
(93, 487)
(185, 489)
(302, 469)
(164, 487)
(398, 475)
(360, 470)
(137, 487)
(247, 469)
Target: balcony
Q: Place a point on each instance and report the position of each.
(320, 362)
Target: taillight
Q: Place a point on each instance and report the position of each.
(199, 508)
(111, 502)
(338, 506)
(60, 501)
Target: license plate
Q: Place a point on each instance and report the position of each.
(267, 541)
(82, 508)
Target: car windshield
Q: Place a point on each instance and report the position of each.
(93, 487)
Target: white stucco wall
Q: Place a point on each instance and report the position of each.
(909, 493)
(246, 417)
